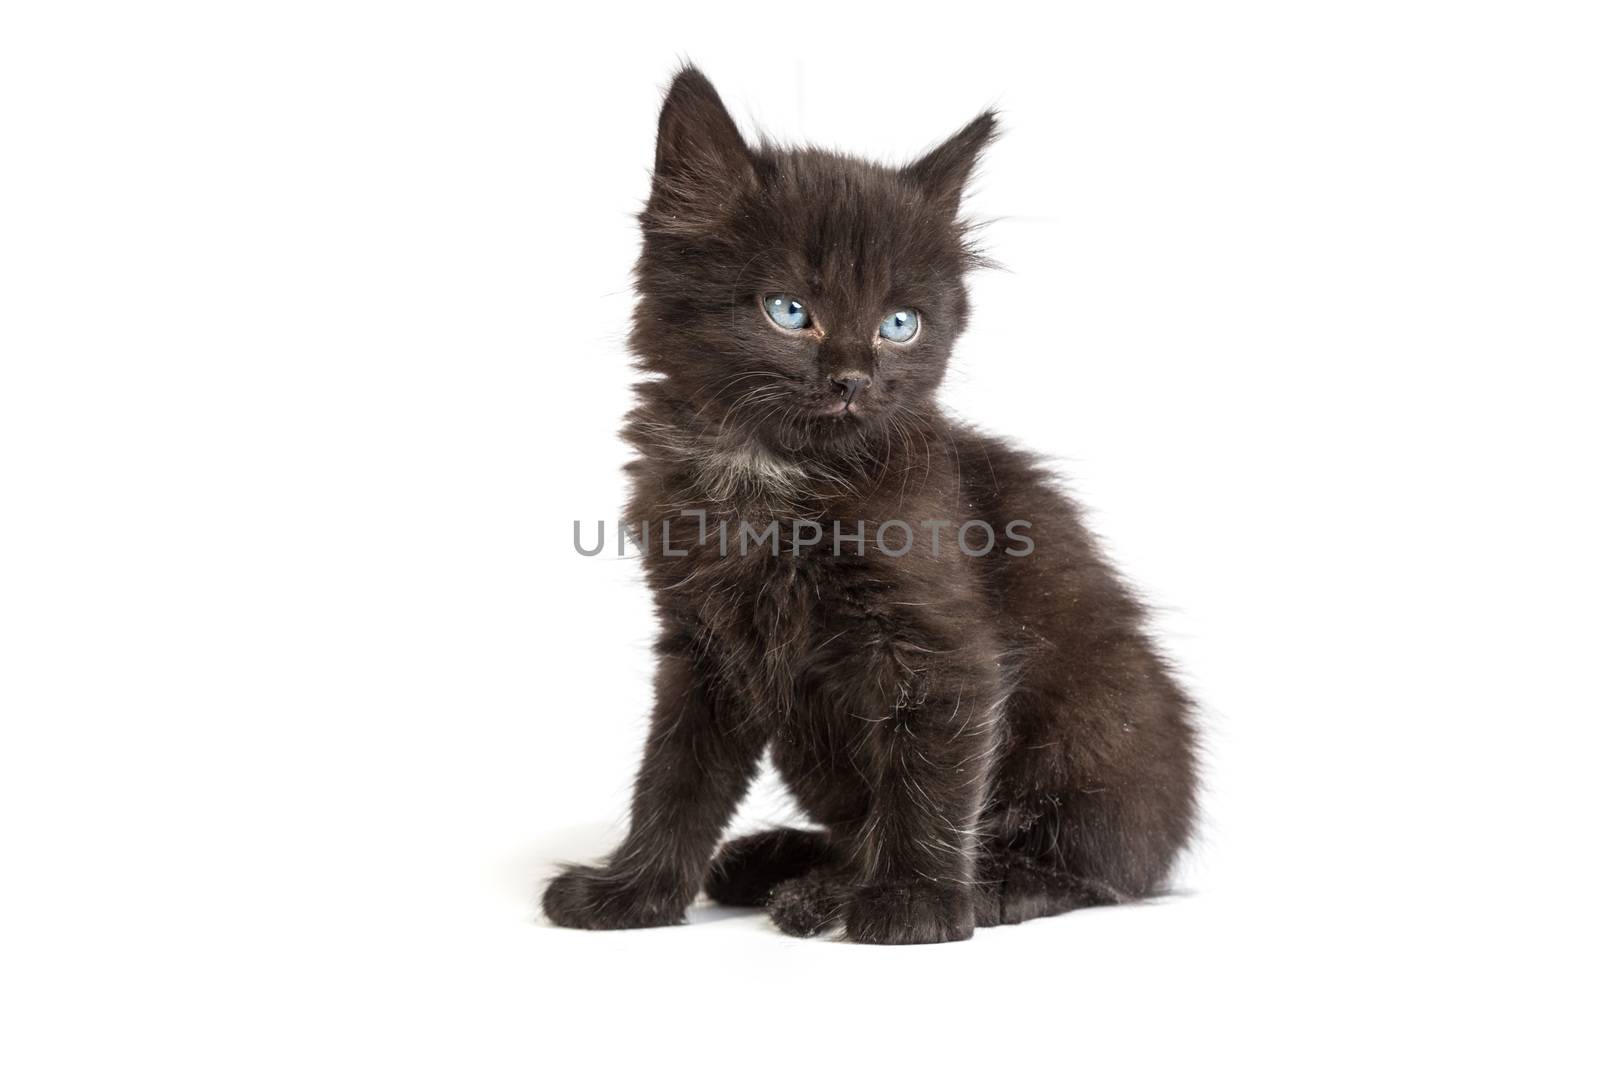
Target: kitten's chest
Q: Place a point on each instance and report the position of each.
(772, 579)
(775, 622)
(758, 616)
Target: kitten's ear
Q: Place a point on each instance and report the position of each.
(944, 171)
(700, 157)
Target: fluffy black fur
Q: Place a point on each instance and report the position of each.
(982, 739)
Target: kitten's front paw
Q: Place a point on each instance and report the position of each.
(909, 913)
(601, 898)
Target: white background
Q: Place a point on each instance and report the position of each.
(312, 321)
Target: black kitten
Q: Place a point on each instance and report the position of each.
(954, 684)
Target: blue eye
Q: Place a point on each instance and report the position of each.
(788, 313)
(899, 326)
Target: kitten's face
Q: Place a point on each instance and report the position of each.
(799, 299)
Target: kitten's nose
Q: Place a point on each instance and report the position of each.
(850, 384)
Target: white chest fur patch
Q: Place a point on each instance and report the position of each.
(726, 472)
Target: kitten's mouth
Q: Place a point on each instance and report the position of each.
(841, 411)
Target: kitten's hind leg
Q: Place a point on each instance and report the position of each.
(1014, 887)
(747, 868)
(1055, 852)
(808, 905)
(794, 873)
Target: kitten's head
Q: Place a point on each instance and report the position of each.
(795, 297)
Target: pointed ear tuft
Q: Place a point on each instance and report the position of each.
(699, 152)
(944, 171)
